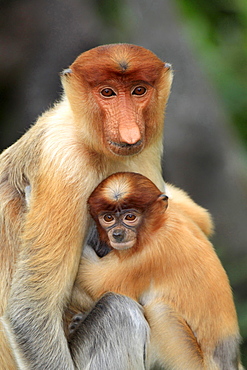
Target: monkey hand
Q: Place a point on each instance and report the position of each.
(75, 321)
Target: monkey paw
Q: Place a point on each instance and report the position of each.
(75, 321)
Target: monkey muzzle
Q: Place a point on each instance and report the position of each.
(118, 235)
(121, 238)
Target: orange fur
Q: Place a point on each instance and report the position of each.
(172, 270)
(188, 207)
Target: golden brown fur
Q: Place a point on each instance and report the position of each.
(172, 270)
(73, 146)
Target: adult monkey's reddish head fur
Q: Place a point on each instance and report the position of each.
(127, 88)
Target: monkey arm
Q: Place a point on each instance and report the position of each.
(114, 332)
(80, 300)
(171, 339)
(115, 336)
(93, 240)
(44, 276)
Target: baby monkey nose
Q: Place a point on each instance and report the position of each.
(118, 235)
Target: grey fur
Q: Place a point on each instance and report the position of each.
(226, 354)
(114, 336)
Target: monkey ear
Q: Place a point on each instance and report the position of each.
(163, 198)
(66, 72)
(167, 65)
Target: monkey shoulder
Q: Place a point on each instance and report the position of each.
(180, 201)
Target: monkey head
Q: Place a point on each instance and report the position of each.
(121, 91)
(125, 206)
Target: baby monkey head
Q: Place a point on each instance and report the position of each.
(121, 206)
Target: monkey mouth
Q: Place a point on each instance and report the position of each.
(125, 148)
(122, 246)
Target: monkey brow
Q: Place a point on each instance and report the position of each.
(117, 210)
(135, 82)
(122, 210)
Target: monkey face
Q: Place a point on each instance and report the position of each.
(120, 91)
(121, 228)
(124, 129)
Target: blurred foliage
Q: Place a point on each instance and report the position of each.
(218, 33)
(114, 14)
(218, 30)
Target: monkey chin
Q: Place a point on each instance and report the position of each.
(122, 246)
(124, 149)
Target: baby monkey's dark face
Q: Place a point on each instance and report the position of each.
(121, 227)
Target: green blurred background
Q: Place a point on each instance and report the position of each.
(206, 126)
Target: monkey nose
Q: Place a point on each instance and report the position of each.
(118, 235)
(130, 134)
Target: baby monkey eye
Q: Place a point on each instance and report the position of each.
(108, 218)
(130, 217)
(107, 92)
(139, 90)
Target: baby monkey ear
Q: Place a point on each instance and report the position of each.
(66, 72)
(168, 65)
(163, 198)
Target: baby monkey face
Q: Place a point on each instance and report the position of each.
(121, 227)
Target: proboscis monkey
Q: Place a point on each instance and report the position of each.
(162, 259)
(110, 118)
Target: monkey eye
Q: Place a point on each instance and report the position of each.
(107, 92)
(130, 217)
(139, 90)
(108, 218)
